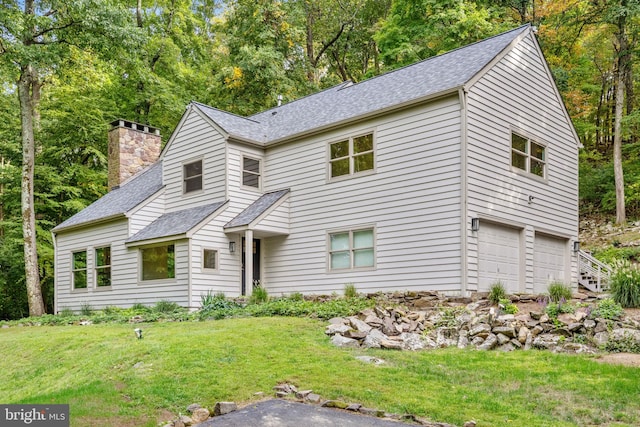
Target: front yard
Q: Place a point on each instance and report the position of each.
(111, 378)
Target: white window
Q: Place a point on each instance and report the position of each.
(79, 269)
(103, 266)
(528, 155)
(192, 176)
(351, 156)
(250, 172)
(351, 249)
(209, 259)
(158, 262)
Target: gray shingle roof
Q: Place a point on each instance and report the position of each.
(120, 200)
(256, 209)
(348, 101)
(175, 223)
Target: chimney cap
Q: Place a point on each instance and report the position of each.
(135, 126)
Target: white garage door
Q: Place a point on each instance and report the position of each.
(498, 257)
(548, 262)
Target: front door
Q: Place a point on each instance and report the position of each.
(256, 263)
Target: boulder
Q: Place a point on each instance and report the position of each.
(222, 408)
(340, 341)
(200, 415)
(490, 342)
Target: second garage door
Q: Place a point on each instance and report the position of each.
(498, 257)
(549, 261)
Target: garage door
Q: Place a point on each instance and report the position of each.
(498, 257)
(548, 261)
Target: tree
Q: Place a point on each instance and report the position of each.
(33, 40)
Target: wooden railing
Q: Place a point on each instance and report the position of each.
(594, 274)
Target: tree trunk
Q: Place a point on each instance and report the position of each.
(27, 84)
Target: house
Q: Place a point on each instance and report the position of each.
(449, 174)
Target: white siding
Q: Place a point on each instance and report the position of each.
(146, 214)
(226, 278)
(126, 289)
(517, 95)
(276, 221)
(412, 200)
(195, 139)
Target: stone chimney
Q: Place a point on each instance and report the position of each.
(132, 147)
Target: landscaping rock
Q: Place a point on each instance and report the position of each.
(200, 415)
(222, 408)
(340, 341)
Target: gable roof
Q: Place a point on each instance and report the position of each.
(347, 101)
(257, 208)
(120, 200)
(175, 223)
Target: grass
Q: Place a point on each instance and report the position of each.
(110, 378)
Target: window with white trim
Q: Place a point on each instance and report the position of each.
(528, 155)
(79, 269)
(250, 172)
(351, 156)
(351, 249)
(158, 262)
(209, 259)
(192, 176)
(103, 266)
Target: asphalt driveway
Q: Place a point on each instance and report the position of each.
(283, 413)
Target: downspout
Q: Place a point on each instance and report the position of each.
(189, 276)
(464, 268)
(55, 274)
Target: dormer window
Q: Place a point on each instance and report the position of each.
(250, 172)
(192, 173)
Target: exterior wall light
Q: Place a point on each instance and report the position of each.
(232, 247)
(475, 224)
(576, 246)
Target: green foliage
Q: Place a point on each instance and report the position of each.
(86, 309)
(66, 312)
(554, 309)
(559, 291)
(296, 296)
(624, 284)
(497, 292)
(350, 290)
(627, 344)
(165, 306)
(259, 295)
(507, 306)
(608, 309)
(448, 316)
(613, 254)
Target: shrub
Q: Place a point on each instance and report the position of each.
(259, 295)
(558, 291)
(165, 306)
(627, 344)
(86, 309)
(507, 306)
(139, 308)
(296, 296)
(553, 309)
(608, 309)
(625, 284)
(66, 312)
(497, 292)
(350, 290)
(111, 309)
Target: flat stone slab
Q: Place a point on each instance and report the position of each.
(282, 413)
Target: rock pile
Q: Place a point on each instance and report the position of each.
(440, 322)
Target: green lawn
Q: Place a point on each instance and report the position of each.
(92, 369)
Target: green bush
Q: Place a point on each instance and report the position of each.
(608, 309)
(497, 292)
(507, 306)
(86, 309)
(627, 344)
(350, 290)
(625, 284)
(553, 309)
(259, 295)
(559, 291)
(165, 306)
(296, 296)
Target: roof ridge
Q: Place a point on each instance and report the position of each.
(520, 28)
(200, 104)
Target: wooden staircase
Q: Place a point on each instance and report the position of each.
(594, 274)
